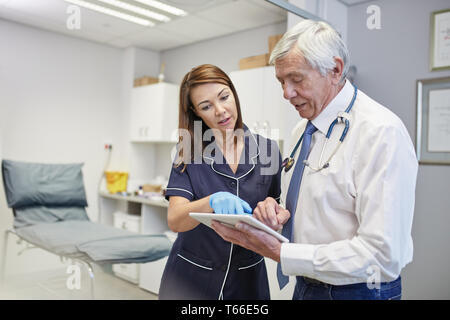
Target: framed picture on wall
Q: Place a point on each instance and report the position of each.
(433, 121)
(440, 40)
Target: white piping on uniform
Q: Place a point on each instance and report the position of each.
(195, 264)
(226, 274)
(237, 194)
(225, 175)
(181, 190)
(252, 265)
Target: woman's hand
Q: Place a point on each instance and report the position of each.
(228, 203)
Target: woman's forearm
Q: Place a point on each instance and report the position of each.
(178, 214)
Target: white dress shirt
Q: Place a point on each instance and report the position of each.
(354, 217)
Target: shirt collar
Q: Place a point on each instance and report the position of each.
(339, 103)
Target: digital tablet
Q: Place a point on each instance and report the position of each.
(231, 220)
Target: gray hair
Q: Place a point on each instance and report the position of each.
(318, 42)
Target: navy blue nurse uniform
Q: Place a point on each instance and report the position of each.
(201, 265)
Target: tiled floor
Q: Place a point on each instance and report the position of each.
(55, 284)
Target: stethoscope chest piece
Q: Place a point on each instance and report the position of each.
(287, 164)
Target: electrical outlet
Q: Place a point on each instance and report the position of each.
(108, 145)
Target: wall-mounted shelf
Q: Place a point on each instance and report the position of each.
(151, 202)
(156, 141)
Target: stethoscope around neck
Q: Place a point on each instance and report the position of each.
(343, 117)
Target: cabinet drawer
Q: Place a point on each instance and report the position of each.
(127, 222)
(127, 271)
(133, 226)
(151, 274)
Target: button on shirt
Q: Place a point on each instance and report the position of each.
(354, 218)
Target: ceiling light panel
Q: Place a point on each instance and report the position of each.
(111, 12)
(136, 9)
(163, 7)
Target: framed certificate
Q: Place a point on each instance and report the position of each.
(440, 40)
(433, 121)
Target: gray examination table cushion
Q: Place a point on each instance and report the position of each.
(49, 202)
(41, 184)
(103, 244)
(44, 214)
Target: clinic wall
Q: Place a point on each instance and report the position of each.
(138, 160)
(332, 11)
(146, 62)
(63, 99)
(225, 52)
(3, 207)
(389, 61)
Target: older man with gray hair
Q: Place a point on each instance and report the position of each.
(348, 187)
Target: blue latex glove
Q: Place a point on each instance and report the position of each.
(228, 203)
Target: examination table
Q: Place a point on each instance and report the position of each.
(48, 202)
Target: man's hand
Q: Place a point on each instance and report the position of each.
(271, 213)
(251, 238)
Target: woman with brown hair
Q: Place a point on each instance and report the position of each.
(220, 167)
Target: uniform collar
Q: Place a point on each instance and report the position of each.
(246, 163)
(339, 103)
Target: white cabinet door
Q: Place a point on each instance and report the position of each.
(128, 271)
(169, 116)
(262, 102)
(151, 274)
(154, 221)
(273, 105)
(137, 124)
(154, 112)
(249, 87)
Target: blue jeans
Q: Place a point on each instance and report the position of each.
(309, 289)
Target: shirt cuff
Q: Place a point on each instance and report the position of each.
(297, 259)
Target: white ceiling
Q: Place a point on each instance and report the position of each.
(206, 19)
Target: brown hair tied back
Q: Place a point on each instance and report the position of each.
(205, 73)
